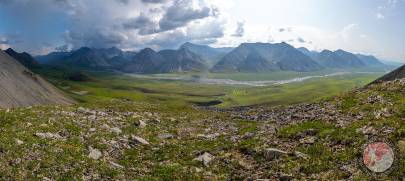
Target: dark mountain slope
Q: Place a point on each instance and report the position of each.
(370, 60)
(146, 61)
(165, 61)
(88, 58)
(207, 53)
(24, 58)
(182, 60)
(280, 56)
(351, 59)
(339, 59)
(399, 73)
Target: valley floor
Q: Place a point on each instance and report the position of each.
(186, 89)
(148, 131)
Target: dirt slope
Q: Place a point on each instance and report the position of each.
(20, 87)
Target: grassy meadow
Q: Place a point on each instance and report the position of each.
(108, 86)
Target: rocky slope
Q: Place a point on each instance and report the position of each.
(399, 73)
(20, 87)
(124, 140)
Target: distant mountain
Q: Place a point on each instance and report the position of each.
(338, 59)
(341, 59)
(351, 59)
(24, 58)
(264, 57)
(146, 61)
(210, 55)
(165, 61)
(21, 87)
(370, 60)
(398, 73)
(88, 58)
(182, 60)
(309, 53)
(392, 63)
(52, 58)
(248, 57)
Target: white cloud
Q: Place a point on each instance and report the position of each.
(380, 16)
(4, 43)
(127, 24)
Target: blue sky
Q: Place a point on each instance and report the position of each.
(366, 26)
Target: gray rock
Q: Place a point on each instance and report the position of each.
(166, 136)
(116, 130)
(273, 153)
(139, 140)
(205, 158)
(116, 165)
(95, 153)
(248, 135)
(49, 135)
(300, 155)
(308, 140)
(19, 142)
(140, 124)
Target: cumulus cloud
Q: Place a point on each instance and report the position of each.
(127, 24)
(240, 29)
(154, 1)
(4, 43)
(144, 24)
(380, 16)
(301, 40)
(182, 12)
(62, 48)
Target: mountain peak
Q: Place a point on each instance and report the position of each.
(326, 51)
(341, 51)
(147, 50)
(10, 50)
(83, 50)
(187, 44)
(303, 49)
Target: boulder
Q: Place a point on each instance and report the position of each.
(273, 153)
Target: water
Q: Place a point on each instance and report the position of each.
(236, 82)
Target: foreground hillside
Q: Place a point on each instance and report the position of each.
(124, 140)
(21, 87)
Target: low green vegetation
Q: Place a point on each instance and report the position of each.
(97, 139)
(107, 86)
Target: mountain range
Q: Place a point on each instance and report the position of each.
(248, 57)
(165, 61)
(264, 57)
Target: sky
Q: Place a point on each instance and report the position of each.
(374, 27)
